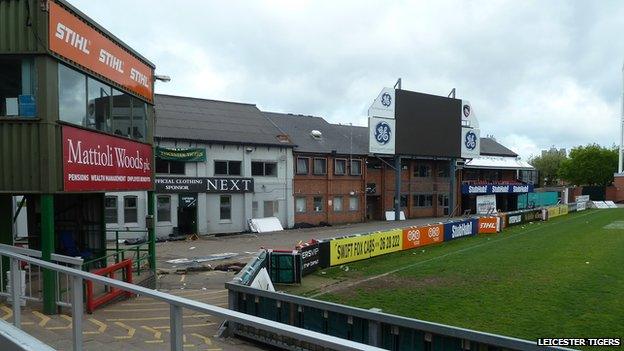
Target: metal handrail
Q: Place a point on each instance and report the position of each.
(176, 305)
(74, 261)
(119, 253)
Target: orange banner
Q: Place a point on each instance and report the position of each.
(489, 225)
(420, 236)
(73, 39)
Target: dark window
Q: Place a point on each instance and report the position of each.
(164, 208)
(139, 119)
(72, 96)
(443, 200)
(302, 165)
(98, 105)
(356, 167)
(444, 170)
(130, 209)
(259, 168)
(17, 87)
(300, 204)
(225, 207)
(227, 168)
(110, 209)
(122, 120)
(423, 200)
(403, 201)
(422, 170)
(318, 203)
(340, 167)
(169, 167)
(320, 166)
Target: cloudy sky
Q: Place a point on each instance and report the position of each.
(537, 74)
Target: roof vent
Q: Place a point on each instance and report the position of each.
(316, 134)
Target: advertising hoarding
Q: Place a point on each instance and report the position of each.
(420, 236)
(70, 37)
(360, 247)
(310, 258)
(489, 225)
(204, 185)
(497, 189)
(382, 135)
(486, 204)
(459, 229)
(383, 106)
(98, 162)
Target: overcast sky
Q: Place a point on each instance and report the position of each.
(537, 74)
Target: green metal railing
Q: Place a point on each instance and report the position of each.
(139, 253)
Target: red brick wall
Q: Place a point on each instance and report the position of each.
(329, 186)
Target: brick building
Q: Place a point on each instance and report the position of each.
(329, 165)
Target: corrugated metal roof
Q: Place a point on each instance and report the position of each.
(213, 121)
(342, 139)
(491, 147)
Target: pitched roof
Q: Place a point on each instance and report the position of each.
(189, 118)
(342, 139)
(491, 147)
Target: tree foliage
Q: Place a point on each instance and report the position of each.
(590, 165)
(548, 165)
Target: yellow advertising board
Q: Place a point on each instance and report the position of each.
(361, 247)
(556, 211)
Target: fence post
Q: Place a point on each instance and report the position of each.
(16, 285)
(77, 311)
(175, 326)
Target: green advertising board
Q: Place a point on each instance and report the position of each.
(182, 155)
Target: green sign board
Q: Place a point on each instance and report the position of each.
(183, 155)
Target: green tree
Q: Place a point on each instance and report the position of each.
(548, 165)
(590, 165)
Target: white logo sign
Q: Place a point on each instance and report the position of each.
(381, 135)
(383, 106)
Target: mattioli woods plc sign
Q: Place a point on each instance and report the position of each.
(73, 39)
(98, 162)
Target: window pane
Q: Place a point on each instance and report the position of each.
(300, 204)
(257, 168)
(220, 168)
(270, 169)
(72, 96)
(17, 77)
(164, 208)
(225, 212)
(162, 166)
(443, 170)
(318, 204)
(268, 209)
(354, 203)
(234, 168)
(320, 166)
(139, 119)
(130, 209)
(356, 167)
(339, 166)
(122, 125)
(338, 204)
(254, 209)
(176, 167)
(98, 105)
(302, 165)
(110, 206)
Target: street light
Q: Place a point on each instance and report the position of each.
(162, 77)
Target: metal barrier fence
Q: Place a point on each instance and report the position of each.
(378, 329)
(176, 306)
(32, 283)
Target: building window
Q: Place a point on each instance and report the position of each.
(163, 208)
(17, 87)
(254, 209)
(300, 204)
(403, 201)
(354, 203)
(130, 209)
(87, 102)
(356, 167)
(444, 170)
(338, 204)
(443, 200)
(318, 204)
(340, 166)
(232, 168)
(110, 209)
(169, 167)
(423, 200)
(267, 169)
(271, 209)
(225, 208)
(422, 170)
(302, 165)
(320, 166)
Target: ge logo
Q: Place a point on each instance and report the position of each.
(470, 141)
(386, 99)
(382, 133)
